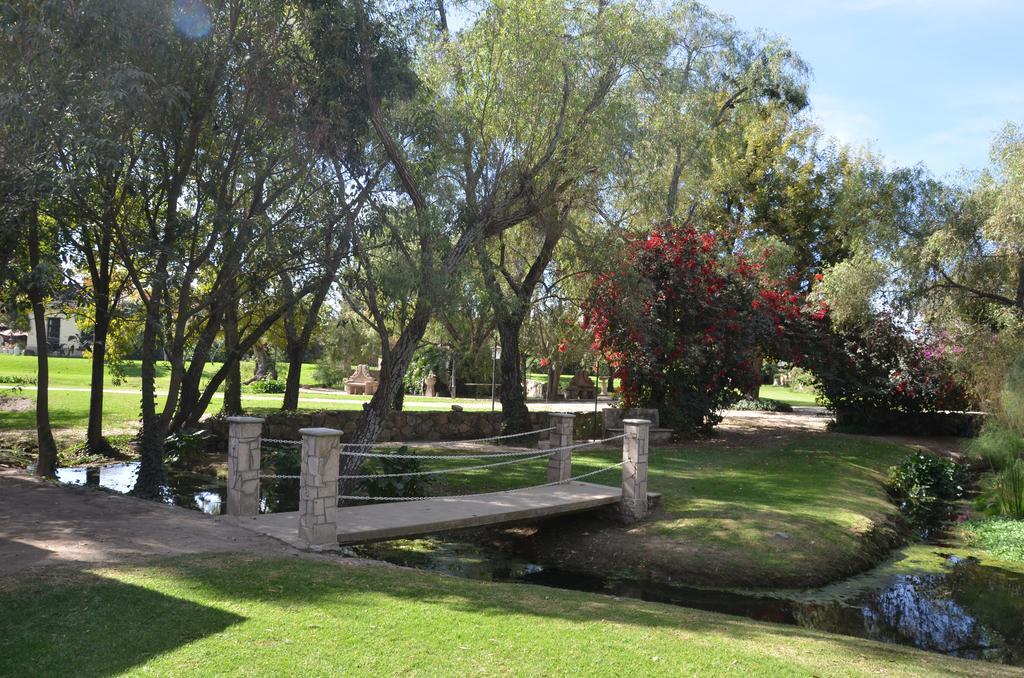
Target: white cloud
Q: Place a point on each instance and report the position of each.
(843, 121)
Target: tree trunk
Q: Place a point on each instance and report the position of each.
(296, 354)
(233, 381)
(394, 365)
(753, 391)
(46, 463)
(266, 365)
(94, 441)
(515, 416)
(152, 474)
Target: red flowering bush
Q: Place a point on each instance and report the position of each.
(681, 323)
(875, 375)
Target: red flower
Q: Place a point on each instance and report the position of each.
(563, 347)
(819, 277)
(544, 362)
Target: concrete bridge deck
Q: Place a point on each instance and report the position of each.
(379, 522)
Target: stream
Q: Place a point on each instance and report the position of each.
(931, 596)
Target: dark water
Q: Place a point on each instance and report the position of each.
(200, 489)
(956, 606)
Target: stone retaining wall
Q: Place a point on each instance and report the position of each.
(400, 426)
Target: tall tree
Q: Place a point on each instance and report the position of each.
(510, 284)
(510, 101)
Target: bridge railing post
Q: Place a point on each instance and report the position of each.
(244, 435)
(318, 486)
(560, 462)
(634, 469)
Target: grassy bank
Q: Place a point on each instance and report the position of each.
(275, 617)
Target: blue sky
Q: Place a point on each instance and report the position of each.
(927, 81)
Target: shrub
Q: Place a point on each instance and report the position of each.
(877, 374)
(801, 379)
(886, 370)
(266, 386)
(680, 325)
(186, 447)
(330, 373)
(401, 486)
(762, 405)
(926, 485)
(427, 359)
(21, 381)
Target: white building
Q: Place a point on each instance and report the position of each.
(61, 334)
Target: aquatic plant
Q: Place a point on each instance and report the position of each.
(1004, 495)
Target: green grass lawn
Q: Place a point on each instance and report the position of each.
(77, 371)
(788, 395)
(70, 409)
(238, 615)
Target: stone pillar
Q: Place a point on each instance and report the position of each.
(318, 486)
(244, 465)
(560, 463)
(634, 469)
(430, 383)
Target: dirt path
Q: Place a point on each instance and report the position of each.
(42, 524)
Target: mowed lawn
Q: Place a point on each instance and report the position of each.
(78, 372)
(253, 616)
(69, 399)
(789, 395)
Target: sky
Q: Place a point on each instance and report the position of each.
(920, 81)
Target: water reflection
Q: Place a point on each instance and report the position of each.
(195, 490)
(117, 477)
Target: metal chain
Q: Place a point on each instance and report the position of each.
(276, 475)
(278, 441)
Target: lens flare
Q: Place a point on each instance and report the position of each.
(192, 18)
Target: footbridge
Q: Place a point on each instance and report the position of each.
(328, 517)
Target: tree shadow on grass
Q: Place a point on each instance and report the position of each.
(90, 625)
(372, 596)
